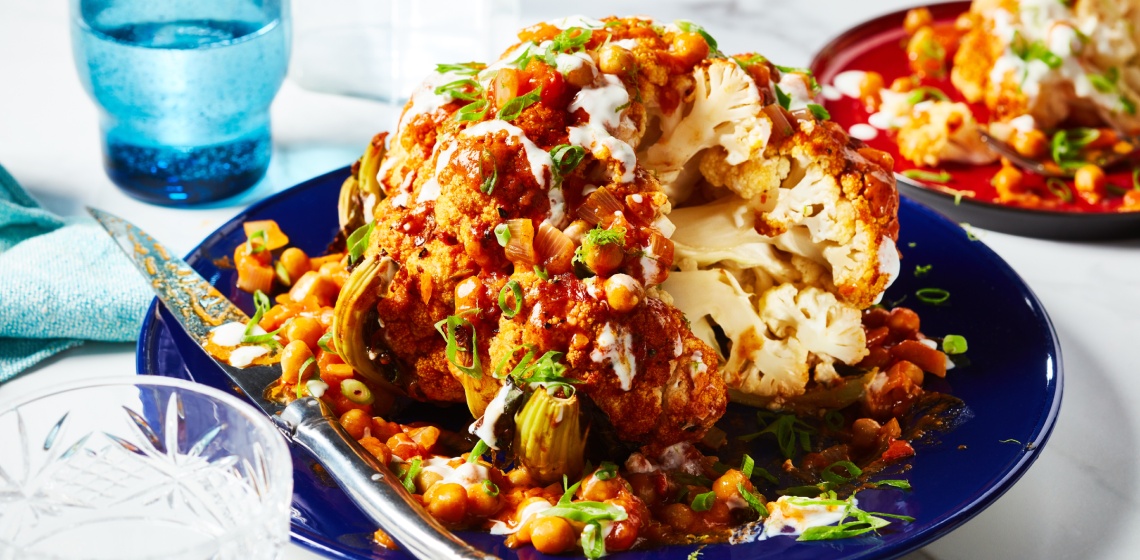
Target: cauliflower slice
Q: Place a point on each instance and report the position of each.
(777, 342)
(939, 131)
(725, 111)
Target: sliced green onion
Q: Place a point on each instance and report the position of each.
(704, 502)
(490, 488)
(466, 68)
(458, 89)
(940, 177)
(473, 111)
(746, 466)
(261, 306)
(829, 475)
(358, 242)
(477, 452)
(834, 420)
(933, 296)
(323, 342)
(818, 111)
(566, 158)
(448, 329)
(269, 338)
(502, 234)
(1059, 189)
(894, 483)
(920, 94)
(969, 231)
(585, 512)
(752, 500)
(356, 391)
(922, 270)
(954, 344)
(541, 272)
(606, 471)
(593, 543)
(488, 182)
(409, 478)
(259, 247)
(282, 274)
(516, 291)
(513, 108)
(1101, 83)
(782, 98)
(304, 368)
(1136, 179)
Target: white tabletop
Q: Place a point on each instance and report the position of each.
(1078, 500)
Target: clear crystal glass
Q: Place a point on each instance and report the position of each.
(141, 468)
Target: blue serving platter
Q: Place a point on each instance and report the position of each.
(1012, 390)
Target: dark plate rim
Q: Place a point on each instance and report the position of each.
(1042, 430)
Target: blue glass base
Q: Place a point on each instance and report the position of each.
(182, 176)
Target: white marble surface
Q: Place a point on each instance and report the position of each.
(1078, 500)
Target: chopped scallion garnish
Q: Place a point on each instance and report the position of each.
(262, 244)
(323, 342)
(782, 98)
(489, 182)
(503, 234)
(490, 488)
(746, 466)
(606, 471)
(690, 27)
(462, 68)
(752, 500)
(940, 177)
(1059, 189)
(541, 272)
(922, 270)
(818, 111)
(409, 478)
(516, 291)
(514, 107)
(358, 242)
(477, 452)
(473, 111)
(449, 329)
(933, 296)
(704, 502)
(954, 344)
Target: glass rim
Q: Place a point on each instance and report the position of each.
(76, 16)
(278, 456)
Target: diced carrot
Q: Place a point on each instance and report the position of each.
(898, 449)
(253, 277)
(316, 262)
(334, 374)
(274, 237)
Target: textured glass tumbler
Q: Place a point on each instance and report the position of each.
(183, 90)
(141, 468)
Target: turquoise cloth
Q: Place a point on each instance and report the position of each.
(62, 281)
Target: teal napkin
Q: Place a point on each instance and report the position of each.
(62, 281)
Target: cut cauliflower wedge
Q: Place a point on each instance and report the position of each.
(776, 342)
(724, 110)
(795, 238)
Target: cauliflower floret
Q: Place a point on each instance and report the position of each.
(725, 111)
(776, 342)
(941, 131)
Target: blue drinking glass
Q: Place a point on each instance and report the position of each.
(183, 89)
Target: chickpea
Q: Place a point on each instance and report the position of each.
(623, 292)
(596, 490)
(520, 477)
(484, 501)
(864, 433)
(726, 486)
(679, 516)
(615, 60)
(1090, 181)
(293, 356)
(869, 88)
(305, 329)
(917, 19)
(425, 480)
(1007, 181)
(903, 321)
(622, 536)
(718, 514)
(551, 535)
(355, 422)
(295, 262)
(467, 294)
(336, 272)
(603, 259)
(1030, 143)
(689, 48)
(581, 75)
(447, 502)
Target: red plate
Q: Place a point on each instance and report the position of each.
(879, 45)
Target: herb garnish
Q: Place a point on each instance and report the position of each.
(933, 296)
(358, 242)
(409, 478)
(514, 107)
(514, 290)
(940, 177)
(448, 328)
(788, 429)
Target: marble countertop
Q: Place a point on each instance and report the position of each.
(1077, 501)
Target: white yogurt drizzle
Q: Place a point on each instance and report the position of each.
(465, 474)
(538, 159)
(430, 190)
(531, 509)
(863, 131)
(486, 430)
(788, 519)
(230, 335)
(576, 21)
(603, 101)
(616, 347)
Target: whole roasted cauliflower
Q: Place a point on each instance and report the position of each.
(523, 212)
